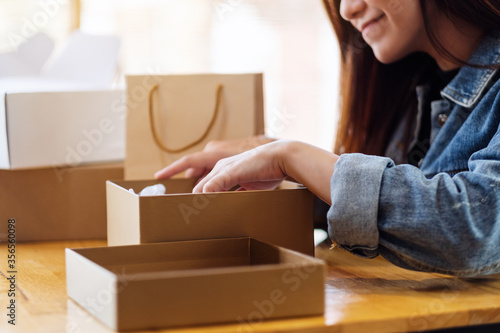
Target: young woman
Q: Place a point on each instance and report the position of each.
(416, 174)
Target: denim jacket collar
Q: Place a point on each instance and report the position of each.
(470, 83)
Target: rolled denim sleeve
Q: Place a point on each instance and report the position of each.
(355, 191)
(448, 224)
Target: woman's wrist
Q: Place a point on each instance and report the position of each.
(309, 165)
(287, 154)
(262, 139)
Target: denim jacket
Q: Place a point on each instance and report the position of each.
(443, 216)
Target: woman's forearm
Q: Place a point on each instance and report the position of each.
(309, 165)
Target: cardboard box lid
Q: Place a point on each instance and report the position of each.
(195, 282)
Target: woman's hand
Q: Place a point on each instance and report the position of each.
(257, 169)
(266, 166)
(200, 163)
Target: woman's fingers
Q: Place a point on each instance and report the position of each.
(255, 169)
(196, 172)
(219, 179)
(172, 169)
(197, 163)
(194, 161)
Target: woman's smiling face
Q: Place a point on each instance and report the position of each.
(392, 28)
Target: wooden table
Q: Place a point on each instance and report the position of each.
(361, 296)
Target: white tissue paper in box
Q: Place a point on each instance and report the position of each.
(158, 189)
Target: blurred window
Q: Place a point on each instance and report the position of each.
(290, 41)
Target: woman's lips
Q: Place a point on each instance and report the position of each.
(368, 25)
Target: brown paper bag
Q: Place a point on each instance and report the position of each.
(171, 116)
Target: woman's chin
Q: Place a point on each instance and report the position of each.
(388, 57)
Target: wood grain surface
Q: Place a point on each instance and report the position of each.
(361, 296)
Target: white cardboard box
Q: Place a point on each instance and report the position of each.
(239, 280)
(48, 129)
(64, 113)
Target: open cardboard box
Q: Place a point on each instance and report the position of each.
(56, 203)
(283, 217)
(240, 280)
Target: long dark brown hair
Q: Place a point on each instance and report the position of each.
(375, 96)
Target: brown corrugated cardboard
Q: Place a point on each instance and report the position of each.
(283, 217)
(239, 280)
(57, 203)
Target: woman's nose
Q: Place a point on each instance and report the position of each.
(350, 8)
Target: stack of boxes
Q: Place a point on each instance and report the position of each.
(174, 259)
(62, 136)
